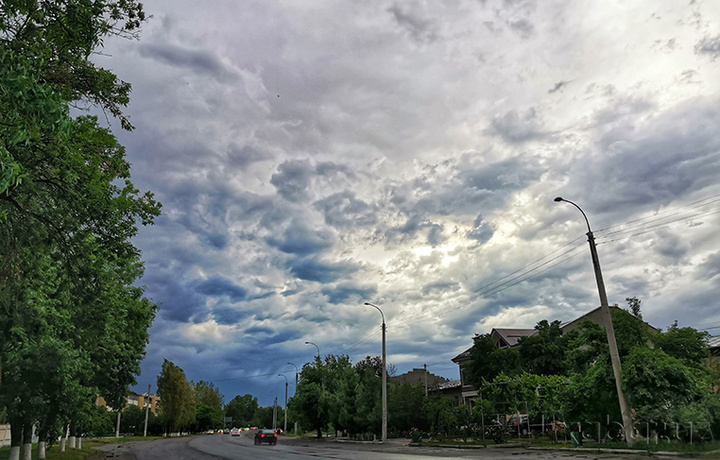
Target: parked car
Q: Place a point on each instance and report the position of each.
(268, 436)
(235, 432)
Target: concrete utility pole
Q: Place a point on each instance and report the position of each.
(147, 411)
(286, 388)
(384, 376)
(609, 330)
(425, 367)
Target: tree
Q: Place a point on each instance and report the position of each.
(544, 352)
(487, 361)
(242, 409)
(311, 402)
(177, 397)
(684, 343)
(68, 213)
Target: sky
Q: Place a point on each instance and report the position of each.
(313, 156)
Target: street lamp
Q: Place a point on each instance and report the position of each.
(296, 374)
(384, 376)
(609, 330)
(318, 348)
(286, 388)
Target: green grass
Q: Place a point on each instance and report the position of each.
(88, 448)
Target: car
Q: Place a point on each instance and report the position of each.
(210, 432)
(226, 431)
(235, 432)
(268, 436)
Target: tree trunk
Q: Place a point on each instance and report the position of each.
(15, 438)
(41, 450)
(27, 441)
(65, 434)
(79, 442)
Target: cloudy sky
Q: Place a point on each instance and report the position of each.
(312, 156)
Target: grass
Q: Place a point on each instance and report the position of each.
(88, 448)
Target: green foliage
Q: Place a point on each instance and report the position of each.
(405, 408)
(74, 323)
(177, 397)
(206, 394)
(543, 353)
(487, 361)
(684, 343)
(242, 409)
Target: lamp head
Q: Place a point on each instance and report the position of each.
(559, 198)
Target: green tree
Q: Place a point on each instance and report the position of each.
(405, 403)
(242, 409)
(487, 361)
(684, 343)
(311, 402)
(68, 213)
(544, 352)
(177, 397)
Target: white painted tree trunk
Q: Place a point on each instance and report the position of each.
(72, 442)
(14, 453)
(79, 442)
(27, 451)
(41, 450)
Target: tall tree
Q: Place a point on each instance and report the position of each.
(177, 397)
(67, 208)
(242, 409)
(544, 352)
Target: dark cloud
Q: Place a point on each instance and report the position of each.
(293, 179)
(344, 210)
(709, 46)
(522, 27)
(481, 231)
(408, 17)
(558, 86)
(710, 267)
(228, 316)
(440, 287)
(201, 62)
(313, 270)
(178, 301)
(242, 157)
(280, 337)
(670, 156)
(516, 128)
(502, 177)
(258, 330)
(344, 291)
(220, 287)
(300, 240)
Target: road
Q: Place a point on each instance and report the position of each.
(217, 447)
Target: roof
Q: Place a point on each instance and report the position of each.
(713, 342)
(450, 384)
(510, 337)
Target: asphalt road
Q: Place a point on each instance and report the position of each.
(241, 447)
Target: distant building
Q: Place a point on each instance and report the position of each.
(418, 377)
(133, 399)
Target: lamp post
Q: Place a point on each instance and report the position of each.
(318, 348)
(286, 388)
(147, 411)
(609, 330)
(296, 374)
(384, 376)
